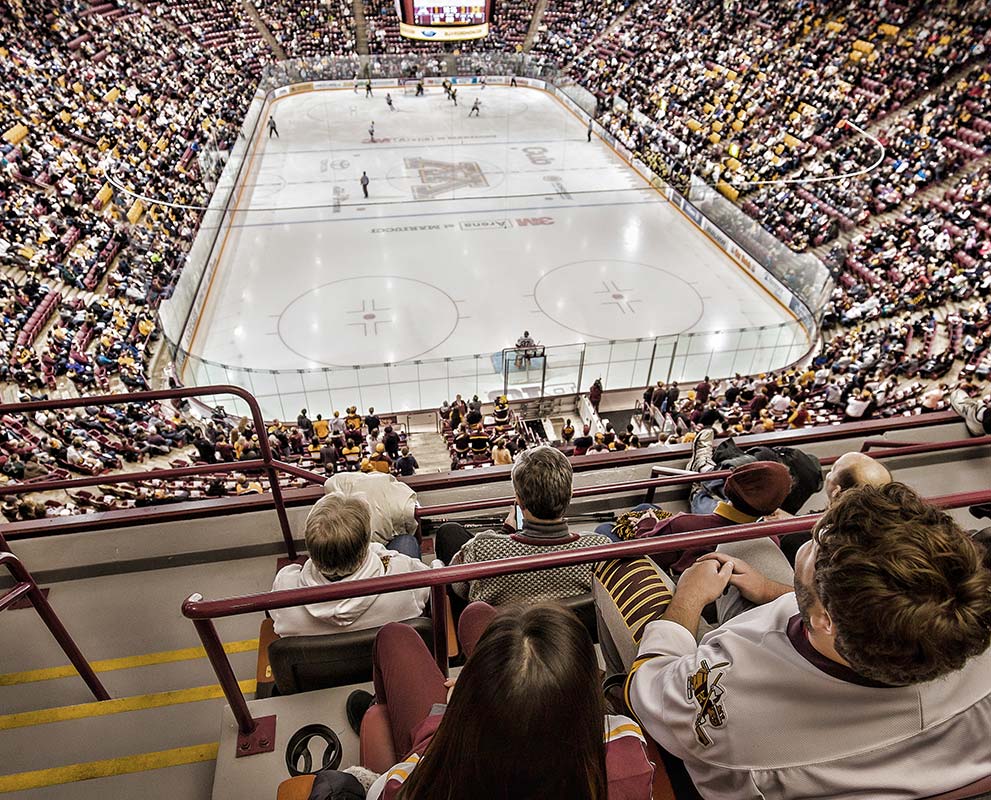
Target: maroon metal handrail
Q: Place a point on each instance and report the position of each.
(653, 483)
(266, 463)
(26, 586)
(201, 508)
(203, 612)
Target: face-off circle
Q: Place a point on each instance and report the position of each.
(368, 320)
(611, 299)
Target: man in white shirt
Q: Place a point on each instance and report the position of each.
(870, 677)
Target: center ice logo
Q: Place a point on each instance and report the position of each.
(441, 177)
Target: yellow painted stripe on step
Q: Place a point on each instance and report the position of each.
(126, 662)
(46, 716)
(22, 781)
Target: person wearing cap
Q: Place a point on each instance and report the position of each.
(379, 460)
(753, 491)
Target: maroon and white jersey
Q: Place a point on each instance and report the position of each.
(756, 712)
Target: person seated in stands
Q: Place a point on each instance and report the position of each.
(478, 441)
(225, 450)
(245, 486)
(567, 432)
(351, 453)
(462, 442)
(531, 676)
(886, 617)
(338, 535)
(379, 460)
(392, 504)
(799, 417)
(584, 442)
(754, 490)
(205, 449)
(500, 453)
(14, 467)
(406, 464)
(860, 405)
(542, 483)
(850, 471)
(33, 468)
(216, 488)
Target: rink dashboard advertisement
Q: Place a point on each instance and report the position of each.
(426, 21)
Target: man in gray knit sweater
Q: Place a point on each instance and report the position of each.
(542, 483)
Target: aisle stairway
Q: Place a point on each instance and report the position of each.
(157, 737)
(532, 31)
(360, 28)
(259, 23)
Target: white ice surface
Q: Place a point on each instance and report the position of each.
(475, 230)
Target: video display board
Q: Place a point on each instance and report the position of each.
(443, 22)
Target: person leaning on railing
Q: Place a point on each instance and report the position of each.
(865, 672)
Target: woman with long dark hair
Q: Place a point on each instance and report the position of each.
(525, 719)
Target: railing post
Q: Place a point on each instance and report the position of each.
(438, 614)
(674, 355)
(273, 477)
(253, 735)
(54, 624)
(52, 621)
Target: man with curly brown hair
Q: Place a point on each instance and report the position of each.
(869, 677)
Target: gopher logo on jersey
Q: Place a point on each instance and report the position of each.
(708, 697)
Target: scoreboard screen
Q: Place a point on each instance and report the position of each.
(445, 22)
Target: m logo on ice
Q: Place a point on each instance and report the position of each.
(441, 177)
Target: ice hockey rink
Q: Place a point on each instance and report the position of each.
(475, 229)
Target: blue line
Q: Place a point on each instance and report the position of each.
(442, 213)
(337, 149)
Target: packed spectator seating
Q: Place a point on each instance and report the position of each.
(569, 26)
(508, 27)
(310, 28)
(121, 93)
(781, 108)
(101, 259)
(94, 440)
(216, 25)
